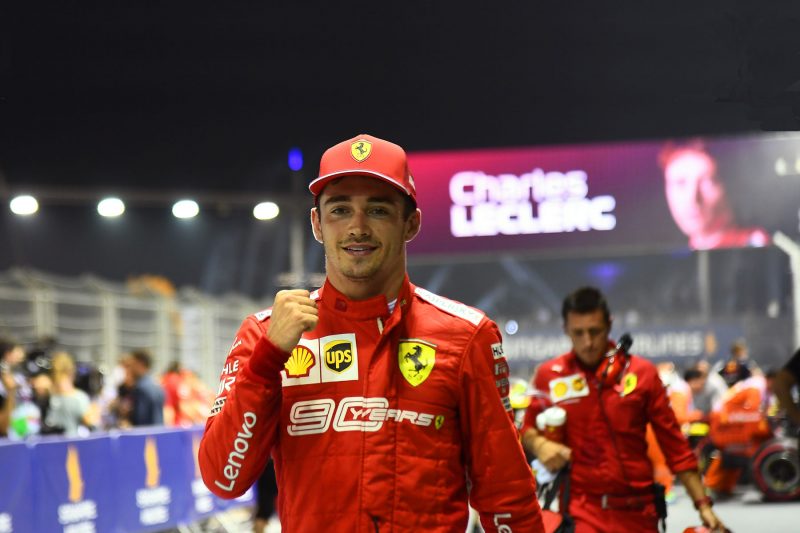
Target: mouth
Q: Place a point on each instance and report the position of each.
(359, 250)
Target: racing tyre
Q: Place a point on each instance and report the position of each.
(776, 470)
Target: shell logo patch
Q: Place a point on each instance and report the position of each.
(299, 363)
(416, 359)
(629, 383)
(360, 150)
(567, 387)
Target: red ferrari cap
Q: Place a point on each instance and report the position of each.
(365, 155)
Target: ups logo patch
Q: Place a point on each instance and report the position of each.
(338, 355)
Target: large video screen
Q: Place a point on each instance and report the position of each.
(645, 196)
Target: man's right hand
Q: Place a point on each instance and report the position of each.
(293, 312)
(553, 455)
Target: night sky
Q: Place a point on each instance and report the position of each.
(210, 96)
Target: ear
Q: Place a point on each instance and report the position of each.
(413, 225)
(315, 225)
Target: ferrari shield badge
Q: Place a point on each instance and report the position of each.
(416, 358)
(360, 150)
(629, 383)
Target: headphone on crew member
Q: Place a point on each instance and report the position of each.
(614, 362)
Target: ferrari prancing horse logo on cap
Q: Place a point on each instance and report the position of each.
(360, 150)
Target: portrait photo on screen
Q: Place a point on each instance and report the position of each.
(673, 194)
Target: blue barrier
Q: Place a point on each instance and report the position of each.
(135, 481)
(16, 504)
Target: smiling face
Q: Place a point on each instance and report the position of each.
(362, 225)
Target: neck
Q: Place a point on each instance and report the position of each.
(357, 289)
(386, 282)
(706, 240)
(712, 236)
(65, 385)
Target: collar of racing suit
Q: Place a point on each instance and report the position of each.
(377, 307)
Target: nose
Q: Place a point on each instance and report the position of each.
(585, 338)
(697, 193)
(358, 227)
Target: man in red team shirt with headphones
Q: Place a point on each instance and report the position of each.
(609, 398)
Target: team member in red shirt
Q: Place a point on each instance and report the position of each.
(384, 406)
(609, 403)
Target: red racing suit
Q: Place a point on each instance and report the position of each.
(377, 421)
(614, 466)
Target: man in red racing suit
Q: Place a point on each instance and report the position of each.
(608, 409)
(384, 406)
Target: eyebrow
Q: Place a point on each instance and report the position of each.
(371, 199)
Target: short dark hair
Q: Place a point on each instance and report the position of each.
(738, 346)
(693, 373)
(6, 345)
(585, 300)
(144, 357)
(671, 149)
(409, 206)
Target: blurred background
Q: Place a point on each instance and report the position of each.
(536, 134)
(229, 108)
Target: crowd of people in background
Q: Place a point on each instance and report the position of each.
(728, 409)
(45, 391)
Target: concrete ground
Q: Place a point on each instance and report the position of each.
(744, 512)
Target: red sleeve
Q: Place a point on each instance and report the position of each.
(242, 427)
(502, 490)
(665, 426)
(540, 400)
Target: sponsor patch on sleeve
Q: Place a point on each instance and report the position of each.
(497, 350)
(263, 314)
(451, 306)
(217, 407)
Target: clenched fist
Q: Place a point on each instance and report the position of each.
(293, 312)
(553, 455)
